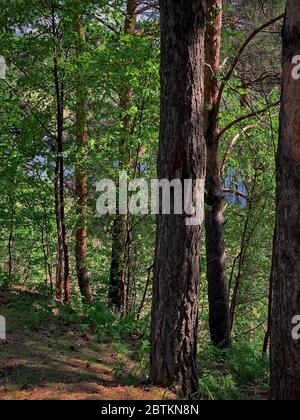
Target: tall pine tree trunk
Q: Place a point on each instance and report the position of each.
(219, 322)
(81, 177)
(285, 351)
(181, 156)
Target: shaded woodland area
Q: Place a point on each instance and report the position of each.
(148, 306)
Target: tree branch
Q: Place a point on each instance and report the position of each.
(245, 117)
(235, 192)
(240, 52)
(145, 6)
(107, 25)
(231, 144)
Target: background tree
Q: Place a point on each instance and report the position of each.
(121, 235)
(81, 175)
(285, 373)
(219, 321)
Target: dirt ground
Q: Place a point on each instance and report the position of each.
(59, 362)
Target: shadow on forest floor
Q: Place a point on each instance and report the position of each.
(55, 360)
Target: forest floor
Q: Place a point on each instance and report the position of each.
(46, 357)
(53, 352)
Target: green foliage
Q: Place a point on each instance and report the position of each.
(215, 386)
(106, 323)
(4, 280)
(233, 374)
(248, 365)
(136, 372)
(102, 318)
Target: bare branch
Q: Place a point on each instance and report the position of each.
(240, 52)
(231, 145)
(246, 117)
(107, 25)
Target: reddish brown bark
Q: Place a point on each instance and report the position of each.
(285, 350)
(131, 16)
(181, 156)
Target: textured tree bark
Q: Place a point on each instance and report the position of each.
(219, 322)
(120, 230)
(59, 254)
(59, 90)
(181, 156)
(81, 177)
(46, 246)
(285, 351)
(65, 242)
(63, 245)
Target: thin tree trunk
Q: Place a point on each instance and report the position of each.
(81, 179)
(45, 254)
(59, 253)
(67, 281)
(271, 284)
(128, 266)
(10, 255)
(10, 240)
(142, 304)
(47, 249)
(121, 239)
(219, 322)
(181, 156)
(237, 284)
(59, 92)
(241, 259)
(285, 350)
